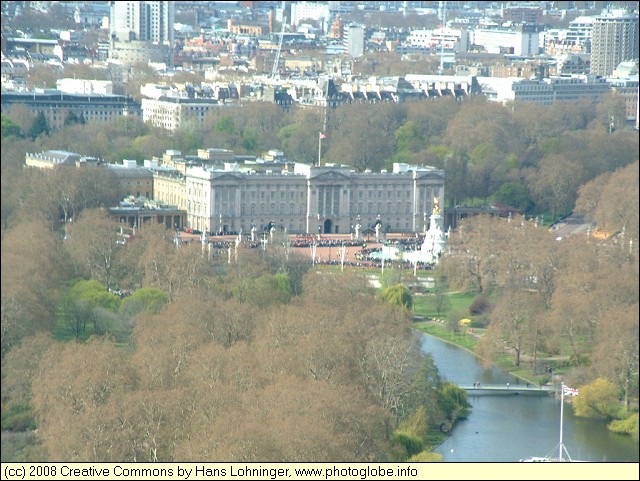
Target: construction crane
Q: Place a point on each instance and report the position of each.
(442, 13)
(274, 70)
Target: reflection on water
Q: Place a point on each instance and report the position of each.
(509, 428)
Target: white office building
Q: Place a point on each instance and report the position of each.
(521, 40)
(580, 31)
(354, 40)
(151, 21)
(447, 38)
(170, 112)
(309, 10)
(545, 91)
(141, 31)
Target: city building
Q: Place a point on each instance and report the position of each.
(30, 46)
(615, 39)
(132, 179)
(580, 31)
(91, 14)
(627, 90)
(14, 73)
(447, 39)
(522, 67)
(171, 112)
(138, 211)
(381, 89)
(573, 64)
(128, 177)
(51, 159)
(520, 40)
(216, 155)
(442, 85)
(522, 13)
(337, 28)
(170, 186)
(252, 30)
(56, 105)
(149, 21)
(310, 11)
(141, 31)
(85, 87)
(545, 91)
(353, 40)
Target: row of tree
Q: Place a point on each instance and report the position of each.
(576, 298)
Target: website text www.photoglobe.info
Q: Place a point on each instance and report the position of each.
(369, 472)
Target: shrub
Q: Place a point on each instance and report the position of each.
(626, 426)
(18, 418)
(412, 444)
(425, 457)
(598, 399)
(480, 305)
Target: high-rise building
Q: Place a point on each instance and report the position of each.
(151, 21)
(614, 40)
(354, 40)
(141, 30)
(579, 33)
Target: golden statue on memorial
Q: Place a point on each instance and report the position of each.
(436, 206)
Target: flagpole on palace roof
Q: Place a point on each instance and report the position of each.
(319, 147)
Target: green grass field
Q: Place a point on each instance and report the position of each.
(425, 305)
(461, 339)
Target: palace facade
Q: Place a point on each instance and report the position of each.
(311, 199)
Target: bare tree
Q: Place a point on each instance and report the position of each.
(514, 320)
(32, 270)
(616, 349)
(93, 245)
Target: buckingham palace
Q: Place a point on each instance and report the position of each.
(311, 199)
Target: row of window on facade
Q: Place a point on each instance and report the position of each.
(299, 195)
(201, 224)
(334, 209)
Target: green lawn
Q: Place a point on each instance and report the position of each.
(461, 339)
(425, 305)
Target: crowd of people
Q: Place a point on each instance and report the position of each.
(363, 252)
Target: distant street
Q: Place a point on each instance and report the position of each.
(573, 224)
